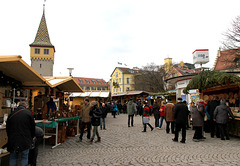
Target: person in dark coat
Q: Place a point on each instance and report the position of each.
(104, 111)
(198, 114)
(95, 114)
(139, 108)
(210, 109)
(51, 106)
(180, 116)
(33, 153)
(125, 107)
(220, 115)
(20, 131)
(156, 113)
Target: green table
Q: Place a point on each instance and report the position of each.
(54, 124)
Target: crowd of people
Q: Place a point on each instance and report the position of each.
(204, 117)
(211, 116)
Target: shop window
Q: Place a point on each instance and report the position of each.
(37, 51)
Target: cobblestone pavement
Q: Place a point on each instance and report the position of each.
(124, 146)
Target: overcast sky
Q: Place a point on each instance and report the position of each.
(92, 36)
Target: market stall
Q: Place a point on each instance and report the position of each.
(231, 93)
(16, 80)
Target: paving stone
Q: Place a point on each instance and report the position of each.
(122, 145)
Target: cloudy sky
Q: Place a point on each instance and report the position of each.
(92, 36)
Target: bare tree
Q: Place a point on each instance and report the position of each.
(150, 78)
(232, 40)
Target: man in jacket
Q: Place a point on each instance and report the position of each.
(86, 120)
(104, 110)
(156, 113)
(20, 131)
(131, 110)
(210, 109)
(95, 114)
(169, 116)
(220, 115)
(180, 116)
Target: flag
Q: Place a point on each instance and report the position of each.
(119, 63)
(125, 64)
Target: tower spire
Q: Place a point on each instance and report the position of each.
(44, 5)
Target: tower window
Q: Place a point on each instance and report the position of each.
(46, 51)
(40, 65)
(37, 50)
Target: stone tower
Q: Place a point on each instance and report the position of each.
(42, 51)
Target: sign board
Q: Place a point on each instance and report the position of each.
(200, 56)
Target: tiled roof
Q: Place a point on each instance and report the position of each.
(225, 60)
(42, 36)
(90, 81)
(125, 70)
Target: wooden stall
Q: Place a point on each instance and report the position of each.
(231, 93)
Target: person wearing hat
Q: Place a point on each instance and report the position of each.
(221, 116)
(180, 116)
(95, 114)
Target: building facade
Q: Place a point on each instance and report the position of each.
(122, 80)
(42, 51)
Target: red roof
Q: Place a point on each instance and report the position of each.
(226, 60)
(200, 50)
(90, 81)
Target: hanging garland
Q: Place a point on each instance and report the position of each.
(208, 79)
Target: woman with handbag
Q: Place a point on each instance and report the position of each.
(146, 115)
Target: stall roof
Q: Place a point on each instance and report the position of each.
(90, 94)
(14, 67)
(66, 84)
(130, 93)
